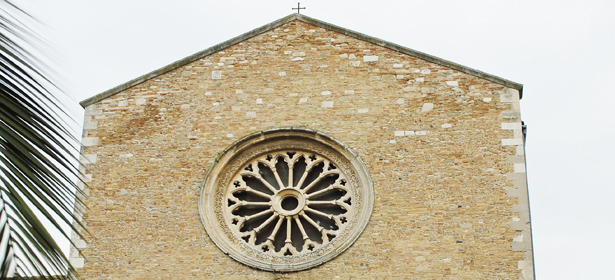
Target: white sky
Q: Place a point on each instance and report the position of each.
(561, 51)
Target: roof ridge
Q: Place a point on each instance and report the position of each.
(308, 20)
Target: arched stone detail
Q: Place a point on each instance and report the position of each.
(286, 199)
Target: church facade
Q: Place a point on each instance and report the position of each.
(302, 150)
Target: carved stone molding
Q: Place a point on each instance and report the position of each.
(286, 199)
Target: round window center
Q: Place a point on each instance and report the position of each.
(289, 203)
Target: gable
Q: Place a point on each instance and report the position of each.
(443, 148)
(315, 23)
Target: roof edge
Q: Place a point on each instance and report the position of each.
(188, 60)
(411, 52)
(309, 20)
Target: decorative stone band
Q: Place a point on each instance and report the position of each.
(286, 199)
(521, 224)
(75, 257)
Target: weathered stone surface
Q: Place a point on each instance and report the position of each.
(444, 207)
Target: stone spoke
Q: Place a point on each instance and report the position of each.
(305, 236)
(258, 177)
(248, 189)
(265, 212)
(327, 189)
(322, 176)
(324, 202)
(265, 223)
(290, 175)
(277, 178)
(251, 203)
(312, 222)
(308, 209)
(308, 168)
(276, 228)
(248, 203)
(288, 230)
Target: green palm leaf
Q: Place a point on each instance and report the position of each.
(36, 173)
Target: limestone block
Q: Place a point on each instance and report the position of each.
(77, 262)
(80, 244)
(88, 124)
(521, 246)
(89, 141)
(512, 142)
(91, 110)
(427, 107)
(327, 104)
(216, 75)
(519, 167)
(86, 178)
(88, 158)
(510, 115)
(370, 58)
(511, 126)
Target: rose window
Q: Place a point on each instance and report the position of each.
(286, 199)
(288, 202)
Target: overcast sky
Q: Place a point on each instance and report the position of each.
(561, 51)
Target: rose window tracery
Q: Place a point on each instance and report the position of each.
(286, 199)
(288, 202)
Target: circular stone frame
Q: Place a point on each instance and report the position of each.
(216, 198)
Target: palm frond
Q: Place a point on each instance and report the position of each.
(36, 153)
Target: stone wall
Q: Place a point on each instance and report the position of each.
(444, 150)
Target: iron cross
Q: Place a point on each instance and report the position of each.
(299, 8)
